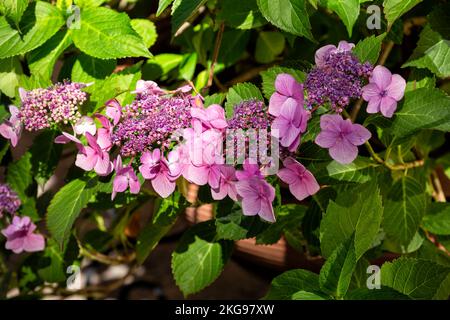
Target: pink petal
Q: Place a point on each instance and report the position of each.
(381, 76)
(22, 94)
(294, 145)
(299, 190)
(197, 175)
(331, 122)
(103, 167)
(288, 86)
(13, 110)
(214, 176)
(396, 89)
(6, 130)
(275, 103)
(292, 134)
(344, 46)
(326, 139)
(266, 211)
(287, 175)
(135, 185)
(310, 182)
(359, 135)
(374, 105)
(289, 109)
(87, 160)
(120, 183)
(343, 151)
(16, 245)
(163, 186)
(219, 193)
(251, 206)
(388, 106)
(370, 91)
(33, 243)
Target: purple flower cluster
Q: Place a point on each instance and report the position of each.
(9, 200)
(44, 108)
(250, 114)
(337, 79)
(151, 120)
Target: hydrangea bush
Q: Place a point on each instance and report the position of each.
(321, 122)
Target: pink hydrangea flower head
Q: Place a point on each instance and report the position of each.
(227, 184)
(94, 157)
(20, 236)
(324, 52)
(257, 197)
(11, 129)
(341, 137)
(85, 124)
(383, 91)
(286, 87)
(290, 123)
(213, 117)
(300, 180)
(125, 178)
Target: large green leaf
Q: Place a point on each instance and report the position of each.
(13, 9)
(39, 23)
(336, 274)
(288, 15)
(88, 69)
(347, 10)
(239, 92)
(384, 293)
(269, 45)
(423, 108)
(42, 60)
(146, 29)
(369, 48)
(356, 211)
(438, 219)
(89, 3)
(284, 286)
(19, 175)
(241, 14)
(65, 207)
(404, 208)
(418, 279)
(198, 260)
(107, 34)
(360, 170)
(10, 72)
(432, 52)
(183, 10)
(394, 9)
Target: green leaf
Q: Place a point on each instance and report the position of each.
(347, 10)
(42, 60)
(19, 175)
(146, 29)
(269, 76)
(231, 224)
(288, 15)
(164, 218)
(432, 52)
(10, 72)
(45, 155)
(183, 10)
(422, 108)
(268, 46)
(162, 5)
(360, 170)
(188, 65)
(107, 34)
(404, 208)
(384, 293)
(160, 65)
(216, 98)
(89, 3)
(234, 44)
(356, 211)
(394, 9)
(88, 69)
(241, 14)
(336, 274)
(51, 268)
(13, 9)
(438, 220)
(286, 285)
(65, 207)
(418, 279)
(369, 48)
(39, 23)
(305, 295)
(198, 260)
(239, 92)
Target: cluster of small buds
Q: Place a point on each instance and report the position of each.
(9, 200)
(58, 104)
(337, 81)
(151, 121)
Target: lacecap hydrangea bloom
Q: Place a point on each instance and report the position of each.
(9, 200)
